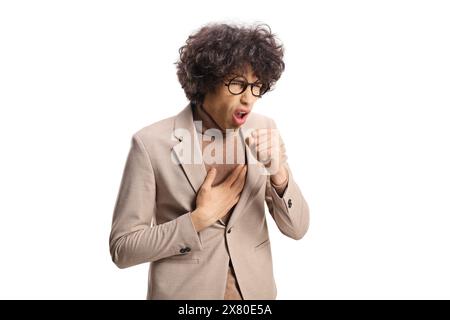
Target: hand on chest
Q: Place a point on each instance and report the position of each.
(224, 153)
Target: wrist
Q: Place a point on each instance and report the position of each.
(196, 221)
(280, 178)
(200, 220)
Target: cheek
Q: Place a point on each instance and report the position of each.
(229, 104)
(233, 102)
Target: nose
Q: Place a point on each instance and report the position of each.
(247, 98)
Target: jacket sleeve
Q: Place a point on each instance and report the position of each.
(290, 211)
(135, 238)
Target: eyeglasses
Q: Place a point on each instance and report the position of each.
(239, 84)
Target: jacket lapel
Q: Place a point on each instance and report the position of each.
(186, 150)
(253, 179)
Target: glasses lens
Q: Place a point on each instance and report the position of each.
(256, 90)
(237, 85)
(259, 89)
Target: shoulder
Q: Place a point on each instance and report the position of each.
(156, 128)
(156, 134)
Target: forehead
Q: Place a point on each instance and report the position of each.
(246, 72)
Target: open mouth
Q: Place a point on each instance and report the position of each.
(240, 116)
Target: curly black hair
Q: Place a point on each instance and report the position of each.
(218, 50)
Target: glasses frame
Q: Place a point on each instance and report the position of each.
(246, 84)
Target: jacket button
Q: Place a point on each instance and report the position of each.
(187, 249)
(289, 203)
(229, 230)
(182, 250)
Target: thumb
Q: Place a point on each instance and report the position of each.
(209, 178)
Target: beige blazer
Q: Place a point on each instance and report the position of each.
(151, 220)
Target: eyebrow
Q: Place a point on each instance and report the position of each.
(234, 75)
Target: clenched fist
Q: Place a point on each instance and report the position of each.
(267, 147)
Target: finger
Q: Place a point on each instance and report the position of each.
(263, 144)
(235, 200)
(207, 183)
(255, 148)
(268, 139)
(233, 175)
(264, 133)
(265, 155)
(260, 132)
(253, 142)
(264, 148)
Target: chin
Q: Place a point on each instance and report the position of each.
(234, 126)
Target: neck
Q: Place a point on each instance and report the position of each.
(208, 122)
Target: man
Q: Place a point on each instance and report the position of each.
(192, 195)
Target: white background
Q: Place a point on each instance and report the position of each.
(363, 107)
